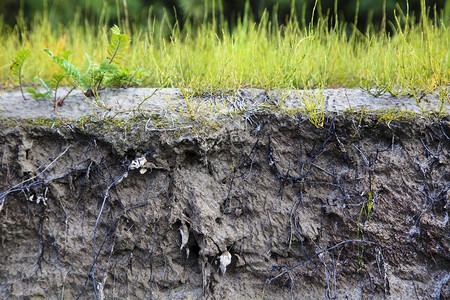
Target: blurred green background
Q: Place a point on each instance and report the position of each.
(138, 11)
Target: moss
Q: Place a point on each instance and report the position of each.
(44, 122)
(291, 111)
(389, 115)
(6, 123)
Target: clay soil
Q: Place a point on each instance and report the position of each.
(262, 206)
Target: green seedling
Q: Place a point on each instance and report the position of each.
(50, 88)
(92, 78)
(95, 76)
(195, 108)
(16, 67)
(313, 104)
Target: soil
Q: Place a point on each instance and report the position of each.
(260, 204)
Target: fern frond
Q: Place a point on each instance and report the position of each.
(88, 64)
(56, 80)
(38, 95)
(19, 59)
(70, 69)
(126, 78)
(16, 67)
(118, 45)
(108, 69)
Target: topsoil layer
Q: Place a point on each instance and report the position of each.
(258, 205)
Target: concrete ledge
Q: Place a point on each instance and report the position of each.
(123, 102)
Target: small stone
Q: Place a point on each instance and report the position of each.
(225, 260)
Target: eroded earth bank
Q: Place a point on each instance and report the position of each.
(264, 206)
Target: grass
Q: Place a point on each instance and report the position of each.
(209, 57)
(313, 106)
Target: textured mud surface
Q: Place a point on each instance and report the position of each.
(265, 206)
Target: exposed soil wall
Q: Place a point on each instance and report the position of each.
(266, 206)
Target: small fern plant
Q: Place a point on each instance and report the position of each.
(16, 67)
(92, 78)
(95, 76)
(50, 87)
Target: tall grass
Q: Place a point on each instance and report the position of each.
(412, 57)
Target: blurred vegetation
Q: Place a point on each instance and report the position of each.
(139, 12)
(213, 46)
